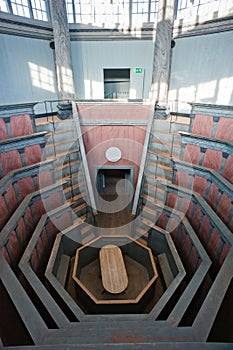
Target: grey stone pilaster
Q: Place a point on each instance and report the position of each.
(65, 80)
(162, 52)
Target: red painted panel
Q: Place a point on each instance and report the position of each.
(213, 244)
(162, 221)
(181, 236)
(192, 154)
(182, 179)
(3, 130)
(66, 220)
(171, 200)
(199, 185)
(185, 204)
(35, 260)
(203, 125)
(225, 129)
(224, 252)
(227, 171)
(172, 226)
(212, 159)
(129, 139)
(25, 186)
(10, 160)
(38, 209)
(11, 198)
(33, 154)
(28, 219)
(22, 231)
(213, 195)
(21, 125)
(224, 207)
(186, 247)
(39, 246)
(196, 218)
(52, 228)
(189, 211)
(44, 179)
(193, 259)
(44, 237)
(4, 212)
(55, 200)
(113, 112)
(205, 227)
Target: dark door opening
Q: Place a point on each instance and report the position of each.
(107, 180)
(116, 83)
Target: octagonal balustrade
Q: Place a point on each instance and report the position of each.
(118, 276)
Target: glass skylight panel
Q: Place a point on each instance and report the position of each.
(204, 9)
(3, 6)
(139, 12)
(20, 8)
(39, 9)
(70, 11)
(153, 10)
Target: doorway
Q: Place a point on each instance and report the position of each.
(116, 83)
(108, 181)
(114, 197)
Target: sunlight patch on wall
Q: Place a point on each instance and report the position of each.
(187, 93)
(87, 87)
(225, 91)
(93, 89)
(67, 80)
(41, 77)
(206, 91)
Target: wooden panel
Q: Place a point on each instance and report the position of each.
(113, 271)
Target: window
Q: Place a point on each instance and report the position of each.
(36, 9)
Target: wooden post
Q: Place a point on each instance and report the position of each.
(65, 80)
(162, 52)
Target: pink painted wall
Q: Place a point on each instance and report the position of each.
(128, 138)
(113, 112)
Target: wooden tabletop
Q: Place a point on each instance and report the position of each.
(113, 271)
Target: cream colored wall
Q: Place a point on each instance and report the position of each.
(91, 57)
(202, 70)
(26, 70)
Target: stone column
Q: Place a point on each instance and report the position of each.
(162, 52)
(64, 70)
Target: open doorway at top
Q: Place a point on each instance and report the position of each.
(117, 83)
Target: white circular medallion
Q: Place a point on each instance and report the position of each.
(113, 154)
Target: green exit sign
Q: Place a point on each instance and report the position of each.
(138, 70)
